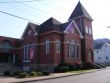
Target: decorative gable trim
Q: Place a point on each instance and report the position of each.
(81, 36)
(33, 28)
(68, 27)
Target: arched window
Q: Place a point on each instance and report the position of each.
(89, 55)
(6, 45)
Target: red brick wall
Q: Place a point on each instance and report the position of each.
(29, 39)
(52, 57)
(89, 38)
(69, 38)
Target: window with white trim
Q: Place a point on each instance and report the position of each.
(77, 51)
(91, 31)
(86, 29)
(29, 32)
(26, 52)
(71, 49)
(47, 46)
(58, 43)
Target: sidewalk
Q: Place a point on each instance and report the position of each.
(4, 79)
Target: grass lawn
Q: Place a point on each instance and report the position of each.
(82, 71)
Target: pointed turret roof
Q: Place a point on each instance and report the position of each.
(80, 11)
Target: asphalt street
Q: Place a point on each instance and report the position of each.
(102, 76)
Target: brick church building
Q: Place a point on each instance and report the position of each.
(51, 43)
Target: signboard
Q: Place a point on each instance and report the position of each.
(26, 65)
(26, 68)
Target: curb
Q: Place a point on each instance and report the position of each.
(56, 77)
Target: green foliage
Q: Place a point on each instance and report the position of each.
(33, 73)
(45, 73)
(22, 75)
(39, 73)
(89, 65)
(15, 73)
(61, 69)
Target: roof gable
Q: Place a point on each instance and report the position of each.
(80, 11)
(51, 21)
(49, 25)
(73, 23)
(71, 29)
(102, 45)
(29, 25)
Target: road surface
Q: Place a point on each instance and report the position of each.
(102, 76)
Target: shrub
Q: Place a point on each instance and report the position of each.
(15, 73)
(78, 66)
(39, 73)
(7, 73)
(61, 69)
(88, 65)
(22, 75)
(33, 73)
(71, 67)
(45, 73)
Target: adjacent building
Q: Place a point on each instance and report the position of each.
(51, 43)
(102, 54)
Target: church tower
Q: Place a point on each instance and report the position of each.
(84, 23)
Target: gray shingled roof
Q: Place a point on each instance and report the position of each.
(50, 24)
(53, 24)
(79, 11)
(51, 21)
(98, 46)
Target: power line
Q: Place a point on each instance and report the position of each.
(33, 8)
(23, 11)
(42, 11)
(17, 16)
(17, 1)
(38, 9)
(20, 17)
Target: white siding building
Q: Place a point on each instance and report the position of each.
(102, 54)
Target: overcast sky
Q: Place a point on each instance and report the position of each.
(40, 10)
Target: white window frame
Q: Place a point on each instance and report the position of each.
(29, 32)
(69, 49)
(58, 43)
(47, 46)
(77, 51)
(86, 29)
(26, 52)
(89, 30)
(72, 49)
